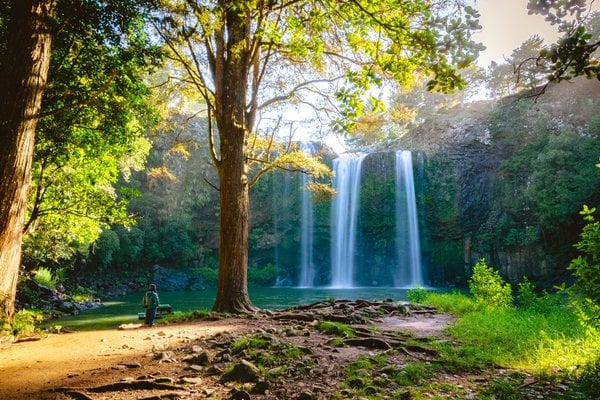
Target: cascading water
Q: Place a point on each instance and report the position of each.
(344, 215)
(280, 209)
(307, 268)
(409, 273)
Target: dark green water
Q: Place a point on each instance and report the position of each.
(124, 309)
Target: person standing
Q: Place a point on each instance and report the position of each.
(151, 303)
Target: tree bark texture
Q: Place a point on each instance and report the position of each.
(22, 82)
(231, 80)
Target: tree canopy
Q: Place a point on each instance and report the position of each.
(94, 49)
(246, 58)
(574, 54)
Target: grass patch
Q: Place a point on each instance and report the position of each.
(455, 303)
(336, 329)
(187, 316)
(265, 351)
(374, 377)
(417, 294)
(545, 339)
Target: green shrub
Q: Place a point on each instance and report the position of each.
(526, 293)
(264, 276)
(25, 322)
(417, 295)
(43, 276)
(208, 275)
(585, 291)
(488, 288)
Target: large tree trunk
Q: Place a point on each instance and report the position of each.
(22, 82)
(231, 80)
(232, 288)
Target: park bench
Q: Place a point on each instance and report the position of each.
(161, 311)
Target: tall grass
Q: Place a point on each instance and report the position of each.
(44, 276)
(545, 338)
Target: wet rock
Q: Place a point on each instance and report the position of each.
(244, 371)
(261, 387)
(370, 343)
(202, 358)
(166, 380)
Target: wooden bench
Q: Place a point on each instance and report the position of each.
(161, 311)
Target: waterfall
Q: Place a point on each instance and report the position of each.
(307, 268)
(281, 192)
(409, 273)
(344, 216)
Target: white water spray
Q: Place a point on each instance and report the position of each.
(344, 217)
(409, 273)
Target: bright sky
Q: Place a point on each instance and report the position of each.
(506, 24)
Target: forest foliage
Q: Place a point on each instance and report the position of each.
(88, 184)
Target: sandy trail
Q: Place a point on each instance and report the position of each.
(28, 369)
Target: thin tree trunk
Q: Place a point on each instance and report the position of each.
(22, 82)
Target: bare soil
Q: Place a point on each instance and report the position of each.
(57, 366)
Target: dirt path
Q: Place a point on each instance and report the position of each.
(29, 368)
(33, 369)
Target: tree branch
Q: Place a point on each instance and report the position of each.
(294, 90)
(82, 103)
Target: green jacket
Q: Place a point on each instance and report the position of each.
(151, 299)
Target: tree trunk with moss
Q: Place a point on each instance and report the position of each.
(22, 81)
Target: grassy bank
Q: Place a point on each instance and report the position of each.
(544, 340)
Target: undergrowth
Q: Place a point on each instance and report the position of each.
(179, 316)
(545, 338)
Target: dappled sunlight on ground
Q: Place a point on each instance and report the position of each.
(29, 368)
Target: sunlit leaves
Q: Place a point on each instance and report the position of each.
(345, 49)
(585, 291)
(573, 55)
(91, 134)
(265, 155)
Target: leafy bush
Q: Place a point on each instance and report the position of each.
(208, 275)
(25, 321)
(526, 293)
(488, 288)
(585, 291)
(264, 276)
(417, 295)
(43, 276)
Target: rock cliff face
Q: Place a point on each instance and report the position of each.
(465, 205)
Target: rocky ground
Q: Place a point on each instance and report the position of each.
(330, 350)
